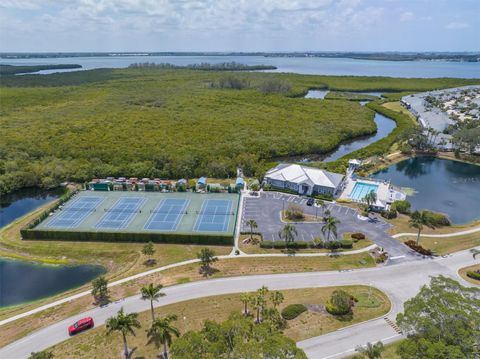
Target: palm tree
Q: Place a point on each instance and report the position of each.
(330, 226)
(420, 219)
(207, 258)
(276, 298)
(371, 351)
(319, 203)
(162, 332)
(123, 323)
(253, 225)
(370, 198)
(258, 303)
(152, 292)
(245, 298)
(288, 233)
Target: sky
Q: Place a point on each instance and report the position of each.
(239, 25)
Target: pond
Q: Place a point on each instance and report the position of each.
(446, 186)
(22, 282)
(17, 204)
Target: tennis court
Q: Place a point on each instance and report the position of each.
(75, 212)
(214, 216)
(135, 212)
(120, 215)
(167, 215)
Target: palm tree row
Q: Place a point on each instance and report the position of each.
(161, 331)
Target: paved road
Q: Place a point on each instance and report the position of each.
(266, 208)
(399, 282)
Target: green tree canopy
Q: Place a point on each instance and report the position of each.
(442, 322)
(237, 337)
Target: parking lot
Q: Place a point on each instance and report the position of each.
(266, 209)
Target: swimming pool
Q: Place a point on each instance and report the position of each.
(361, 189)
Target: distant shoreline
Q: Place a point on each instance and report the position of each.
(374, 56)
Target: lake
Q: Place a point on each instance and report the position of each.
(17, 204)
(446, 186)
(22, 282)
(301, 65)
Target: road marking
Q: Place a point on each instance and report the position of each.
(397, 257)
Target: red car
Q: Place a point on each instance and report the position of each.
(80, 326)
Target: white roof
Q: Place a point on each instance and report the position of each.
(303, 174)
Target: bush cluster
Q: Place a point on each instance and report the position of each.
(401, 206)
(390, 214)
(418, 248)
(292, 311)
(474, 275)
(358, 236)
(283, 244)
(340, 303)
(294, 212)
(438, 219)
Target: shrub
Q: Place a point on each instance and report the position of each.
(292, 311)
(275, 86)
(358, 236)
(333, 245)
(438, 219)
(340, 303)
(346, 243)
(474, 275)
(323, 196)
(390, 214)
(294, 212)
(401, 206)
(283, 245)
(418, 248)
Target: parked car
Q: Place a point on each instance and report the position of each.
(80, 326)
(310, 202)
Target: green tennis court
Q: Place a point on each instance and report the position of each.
(181, 212)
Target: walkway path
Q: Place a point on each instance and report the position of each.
(399, 282)
(445, 235)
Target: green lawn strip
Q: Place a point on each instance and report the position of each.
(446, 245)
(192, 313)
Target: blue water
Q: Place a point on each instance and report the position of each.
(301, 65)
(445, 186)
(361, 189)
(22, 282)
(19, 203)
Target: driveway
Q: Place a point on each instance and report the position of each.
(266, 208)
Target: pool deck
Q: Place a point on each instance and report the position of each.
(385, 192)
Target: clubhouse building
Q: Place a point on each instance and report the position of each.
(303, 179)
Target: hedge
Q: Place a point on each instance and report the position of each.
(283, 244)
(358, 236)
(346, 244)
(418, 248)
(175, 238)
(292, 311)
(473, 275)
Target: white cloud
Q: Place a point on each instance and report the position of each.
(407, 16)
(457, 25)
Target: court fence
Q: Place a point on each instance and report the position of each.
(174, 238)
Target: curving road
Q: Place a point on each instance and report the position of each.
(399, 282)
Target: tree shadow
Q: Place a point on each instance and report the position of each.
(207, 271)
(150, 262)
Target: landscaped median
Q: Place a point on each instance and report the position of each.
(191, 314)
(471, 274)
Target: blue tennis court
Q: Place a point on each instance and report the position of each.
(214, 216)
(167, 215)
(72, 215)
(122, 212)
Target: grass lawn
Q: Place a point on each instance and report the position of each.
(390, 351)
(183, 274)
(191, 314)
(447, 245)
(463, 273)
(256, 249)
(396, 106)
(401, 226)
